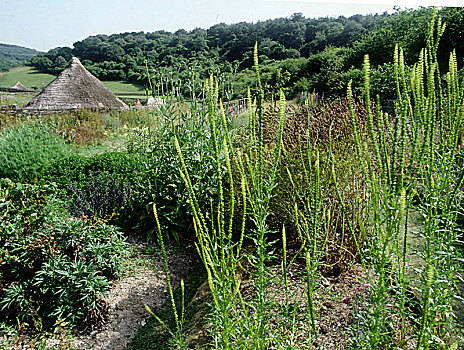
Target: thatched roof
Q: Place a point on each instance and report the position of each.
(20, 87)
(74, 88)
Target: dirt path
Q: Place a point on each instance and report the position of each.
(144, 284)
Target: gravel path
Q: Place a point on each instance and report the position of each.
(145, 284)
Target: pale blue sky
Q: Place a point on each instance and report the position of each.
(44, 24)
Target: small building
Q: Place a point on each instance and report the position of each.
(74, 88)
(21, 88)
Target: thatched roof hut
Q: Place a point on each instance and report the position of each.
(20, 87)
(74, 88)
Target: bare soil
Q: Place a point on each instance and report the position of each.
(144, 284)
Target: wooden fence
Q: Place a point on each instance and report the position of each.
(235, 106)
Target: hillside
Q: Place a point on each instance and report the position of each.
(295, 53)
(28, 76)
(14, 55)
(221, 48)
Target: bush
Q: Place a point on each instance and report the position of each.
(162, 181)
(28, 149)
(77, 168)
(306, 139)
(108, 185)
(101, 196)
(53, 269)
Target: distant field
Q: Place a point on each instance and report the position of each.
(28, 76)
(124, 87)
(32, 78)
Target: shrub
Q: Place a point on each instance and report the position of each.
(53, 269)
(28, 149)
(110, 185)
(102, 196)
(162, 181)
(307, 136)
(77, 168)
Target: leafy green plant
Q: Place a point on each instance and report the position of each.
(53, 269)
(28, 149)
(78, 168)
(161, 180)
(110, 186)
(409, 164)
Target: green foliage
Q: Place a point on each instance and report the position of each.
(13, 55)
(28, 149)
(6, 64)
(147, 173)
(359, 176)
(408, 29)
(54, 270)
(218, 48)
(112, 186)
(161, 180)
(78, 168)
(409, 165)
(331, 47)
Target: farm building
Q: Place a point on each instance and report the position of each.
(21, 88)
(74, 88)
(18, 87)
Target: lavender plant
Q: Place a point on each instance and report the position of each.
(101, 196)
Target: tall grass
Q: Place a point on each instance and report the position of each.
(398, 165)
(28, 149)
(409, 163)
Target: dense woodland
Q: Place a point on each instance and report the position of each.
(296, 53)
(13, 55)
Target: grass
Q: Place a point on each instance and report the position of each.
(34, 79)
(28, 76)
(125, 87)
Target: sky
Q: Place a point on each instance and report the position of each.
(45, 24)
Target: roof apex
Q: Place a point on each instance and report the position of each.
(75, 60)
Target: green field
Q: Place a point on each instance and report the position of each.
(124, 87)
(28, 76)
(32, 78)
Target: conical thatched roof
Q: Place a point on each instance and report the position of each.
(20, 87)
(73, 89)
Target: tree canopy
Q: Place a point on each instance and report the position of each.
(299, 53)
